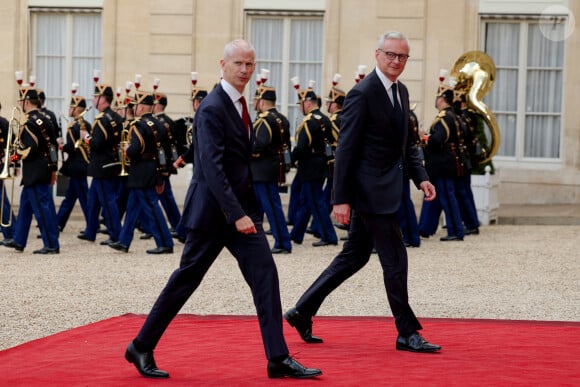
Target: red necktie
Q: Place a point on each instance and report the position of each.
(245, 115)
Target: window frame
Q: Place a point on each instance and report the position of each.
(285, 92)
(59, 104)
(523, 68)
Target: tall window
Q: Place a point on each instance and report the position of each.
(527, 95)
(66, 47)
(288, 46)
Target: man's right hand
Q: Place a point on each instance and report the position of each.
(341, 213)
(245, 225)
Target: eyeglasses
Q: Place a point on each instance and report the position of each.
(392, 55)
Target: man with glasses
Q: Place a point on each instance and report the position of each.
(373, 147)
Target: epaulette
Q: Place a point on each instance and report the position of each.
(442, 114)
(263, 114)
(99, 116)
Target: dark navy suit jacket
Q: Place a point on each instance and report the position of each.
(368, 170)
(221, 189)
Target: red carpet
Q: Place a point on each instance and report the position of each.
(227, 351)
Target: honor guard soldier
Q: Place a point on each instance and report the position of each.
(334, 103)
(469, 143)
(169, 142)
(310, 155)
(406, 214)
(443, 161)
(186, 128)
(270, 158)
(8, 218)
(146, 157)
(125, 107)
(57, 131)
(77, 161)
(184, 135)
(39, 163)
(104, 141)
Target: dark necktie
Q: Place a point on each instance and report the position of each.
(245, 115)
(397, 107)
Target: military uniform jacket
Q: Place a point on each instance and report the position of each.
(4, 127)
(336, 120)
(56, 131)
(372, 149)
(37, 167)
(441, 152)
(271, 133)
(142, 152)
(105, 138)
(308, 154)
(181, 129)
(75, 165)
(168, 139)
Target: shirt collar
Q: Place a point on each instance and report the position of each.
(230, 91)
(387, 83)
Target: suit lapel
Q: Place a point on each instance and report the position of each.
(234, 115)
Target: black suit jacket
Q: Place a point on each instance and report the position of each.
(221, 188)
(371, 151)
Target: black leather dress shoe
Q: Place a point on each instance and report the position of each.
(303, 325)
(472, 231)
(449, 238)
(146, 236)
(290, 368)
(12, 244)
(84, 237)
(416, 343)
(277, 250)
(119, 246)
(144, 362)
(341, 226)
(312, 232)
(323, 243)
(106, 243)
(47, 250)
(161, 250)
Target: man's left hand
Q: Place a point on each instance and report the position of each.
(429, 190)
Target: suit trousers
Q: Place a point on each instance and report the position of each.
(429, 217)
(8, 232)
(37, 199)
(312, 204)
(447, 195)
(77, 189)
(200, 251)
(466, 202)
(366, 231)
(269, 198)
(103, 195)
(167, 200)
(143, 205)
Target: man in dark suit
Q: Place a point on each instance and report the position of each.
(220, 211)
(373, 147)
